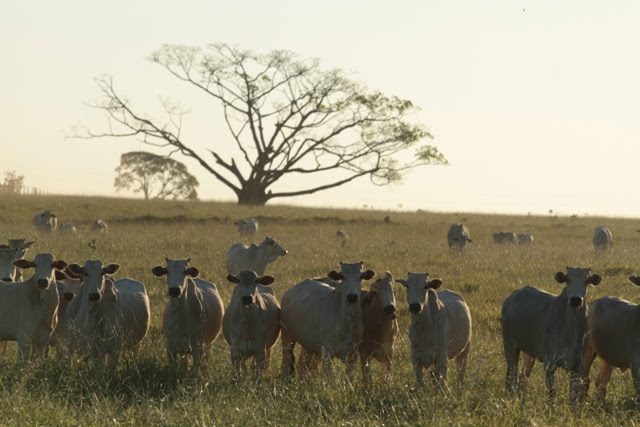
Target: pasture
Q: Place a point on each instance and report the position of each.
(145, 390)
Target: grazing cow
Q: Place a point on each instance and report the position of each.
(251, 323)
(108, 316)
(99, 226)
(193, 315)
(242, 257)
(525, 239)
(380, 326)
(440, 328)
(550, 328)
(29, 308)
(247, 227)
(602, 240)
(504, 237)
(67, 227)
(325, 320)
(458, 236)
(45, 221)
(614, 328)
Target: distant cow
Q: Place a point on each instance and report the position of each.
(614, 328)
(247, 227)
(525, 238)
(504, 237)
(325, 320)
(341, 235)
(242, 257)
(549, 328)
(45, 221)
(99, 226)
(458, 236)
(380, 326)
(193, 315)
(67, 227)
(29, 308)
(440, 328)
(108, 316)
(602, 240)
(251, 323)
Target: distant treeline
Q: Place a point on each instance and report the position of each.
(24, 189)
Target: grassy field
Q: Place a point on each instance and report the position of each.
(146, 391)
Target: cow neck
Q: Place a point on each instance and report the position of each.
(349, 314)
(424, 321)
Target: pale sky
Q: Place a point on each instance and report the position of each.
(536, 104)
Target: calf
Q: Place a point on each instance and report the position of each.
(29, 308)
(614, 328)
(440, 328)
(251, 323)
(547, 327)
(380, 326)
(193, 315)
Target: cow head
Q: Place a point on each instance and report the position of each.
(71, 284)
(44, 266)
(177, 272)
(635, 280)
(578, 281)
(247, 286)
(93, 275)
(417, 285)
(382, 291)
(272, 250)
(350, 278)
(8, 271)
(20, 244)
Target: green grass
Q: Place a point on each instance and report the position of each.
(146, 391)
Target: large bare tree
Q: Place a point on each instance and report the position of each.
(287, 118)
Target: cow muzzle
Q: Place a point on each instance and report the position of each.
(247, 300)
(576, 302)
(174, 292)
(94, 297)
(415, 308)
(390, 311)
(68, 296)
(43, 283)
(352, 298)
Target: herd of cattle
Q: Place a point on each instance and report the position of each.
(81, 310)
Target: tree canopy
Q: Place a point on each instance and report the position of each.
(157, 177)
(287, 118)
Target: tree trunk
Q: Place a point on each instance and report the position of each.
(253, 195)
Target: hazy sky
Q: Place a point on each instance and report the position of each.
(536, 104)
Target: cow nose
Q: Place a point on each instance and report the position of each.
(247, 300)
(174, 292)
(415, 308)
(352, 298)
(43, 283)
(390, 309)
(68, 296)
(94, 297)
(7, 279)
(575, 302)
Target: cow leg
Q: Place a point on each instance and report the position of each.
(589, 357)
(461, 363)
(366, 368)
(326, 361)
(525, 373)
(24, 346)
(603, 379)
(267, 359)
(550, 370)
(417, 367)
(635, 374)
(236, 361)
(352, 360)
(259, 358)
(511, 354)
(288, 359)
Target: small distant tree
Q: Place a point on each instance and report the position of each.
(13, 182)
(157, 177)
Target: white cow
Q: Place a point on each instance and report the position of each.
(107, 317)
(69, 286)
(504, 237)
(29, 308)
(440, 328)
(247, 227)
(614, 328)
(550, 328)
(458, 236)
(602, 240)
(99, 225)
(251, 323)
(8, 270)
(193, 315)
(67, 227)
(45, 221)
(325, 320)
(525, 238)
(242, 257)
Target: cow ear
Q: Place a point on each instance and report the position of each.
(233, 279)
(24, 264)
(595, 279)
(403, 282)
(159, 271)
(28, 244)
(367, 275)
(560, 277)
(193, 272)
(111, 269)
(60, 265)
(635, 280)
(75, 269)
(60, 276)
(70, 274)
(266, 280)
(434, 284)
(334, 275)
(469, 240)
